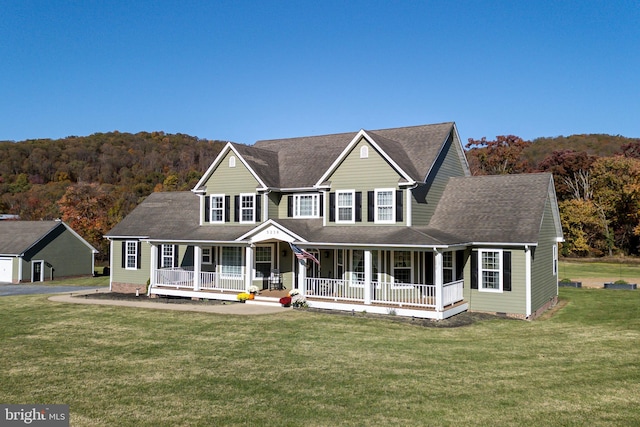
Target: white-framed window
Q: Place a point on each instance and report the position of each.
(306, 205)
(216, 208)
(263, 261)
(357, 266)
(555, 259)
(402, 266)
(231, 261)
(167, 255)
(345, 206)
(207, 256)
(448, 267)
(247, 207)
(490, 270)
(385, 205)
(131, 256)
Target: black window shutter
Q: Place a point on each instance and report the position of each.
(321, 205)
(124, 254)
(207, 208)
(332, 207)
(459, 265)
(474, 269)
(290, 206)
(258, 208)
(236, 208)
(160, 253)
(358, 206)
(371, 206)
(506, 271)
(428, 261)
(176, 256)
(227, 208)
(139, 256)
(399, 198)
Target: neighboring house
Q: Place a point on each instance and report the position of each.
(393, 216)
(35, 251)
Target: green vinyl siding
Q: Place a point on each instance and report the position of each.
(63, 254)
(274, 205)
(363, 175)
(511, 302)
(426, 196)
(121, 274)
(231, 181)
(544, 284)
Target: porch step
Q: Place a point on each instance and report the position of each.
(269, 301)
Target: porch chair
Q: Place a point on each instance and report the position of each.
(275, 280)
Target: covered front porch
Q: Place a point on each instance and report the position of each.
(416, 283)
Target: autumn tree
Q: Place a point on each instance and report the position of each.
(571, 173)
(616, 195)
(86, 208)
(498, 157)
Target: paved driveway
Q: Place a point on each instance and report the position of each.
(28, 289)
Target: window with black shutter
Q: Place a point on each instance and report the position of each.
(332, 207)
(399, 206)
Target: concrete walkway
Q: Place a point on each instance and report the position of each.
(231, 308)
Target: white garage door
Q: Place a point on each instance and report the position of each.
(6, 265)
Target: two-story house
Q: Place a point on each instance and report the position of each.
(392, 216)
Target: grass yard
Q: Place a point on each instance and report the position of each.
(128, 367)
(606, 270)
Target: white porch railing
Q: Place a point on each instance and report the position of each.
(452, 292)
(183, 279)
(404, 294)
(335, 289)
(395, 294)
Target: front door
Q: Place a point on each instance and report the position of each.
(36, 273)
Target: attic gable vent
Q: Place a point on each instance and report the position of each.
(364, 152)
(232, 162)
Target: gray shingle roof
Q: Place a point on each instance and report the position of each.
(173, 216)
(18, 236)
(500, 208)
(302, 161)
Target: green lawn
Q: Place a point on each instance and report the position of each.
(576, 270)
(130, 367)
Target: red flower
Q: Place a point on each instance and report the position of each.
(285, 301)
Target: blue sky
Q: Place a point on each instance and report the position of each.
(248, 70)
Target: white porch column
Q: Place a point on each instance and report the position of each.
(248, 267)
(527, 279)
(437, 266)
(368, 267)
(153, 265)
(302, 275)
(197, 267)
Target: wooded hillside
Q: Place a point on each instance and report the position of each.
(93, 182)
